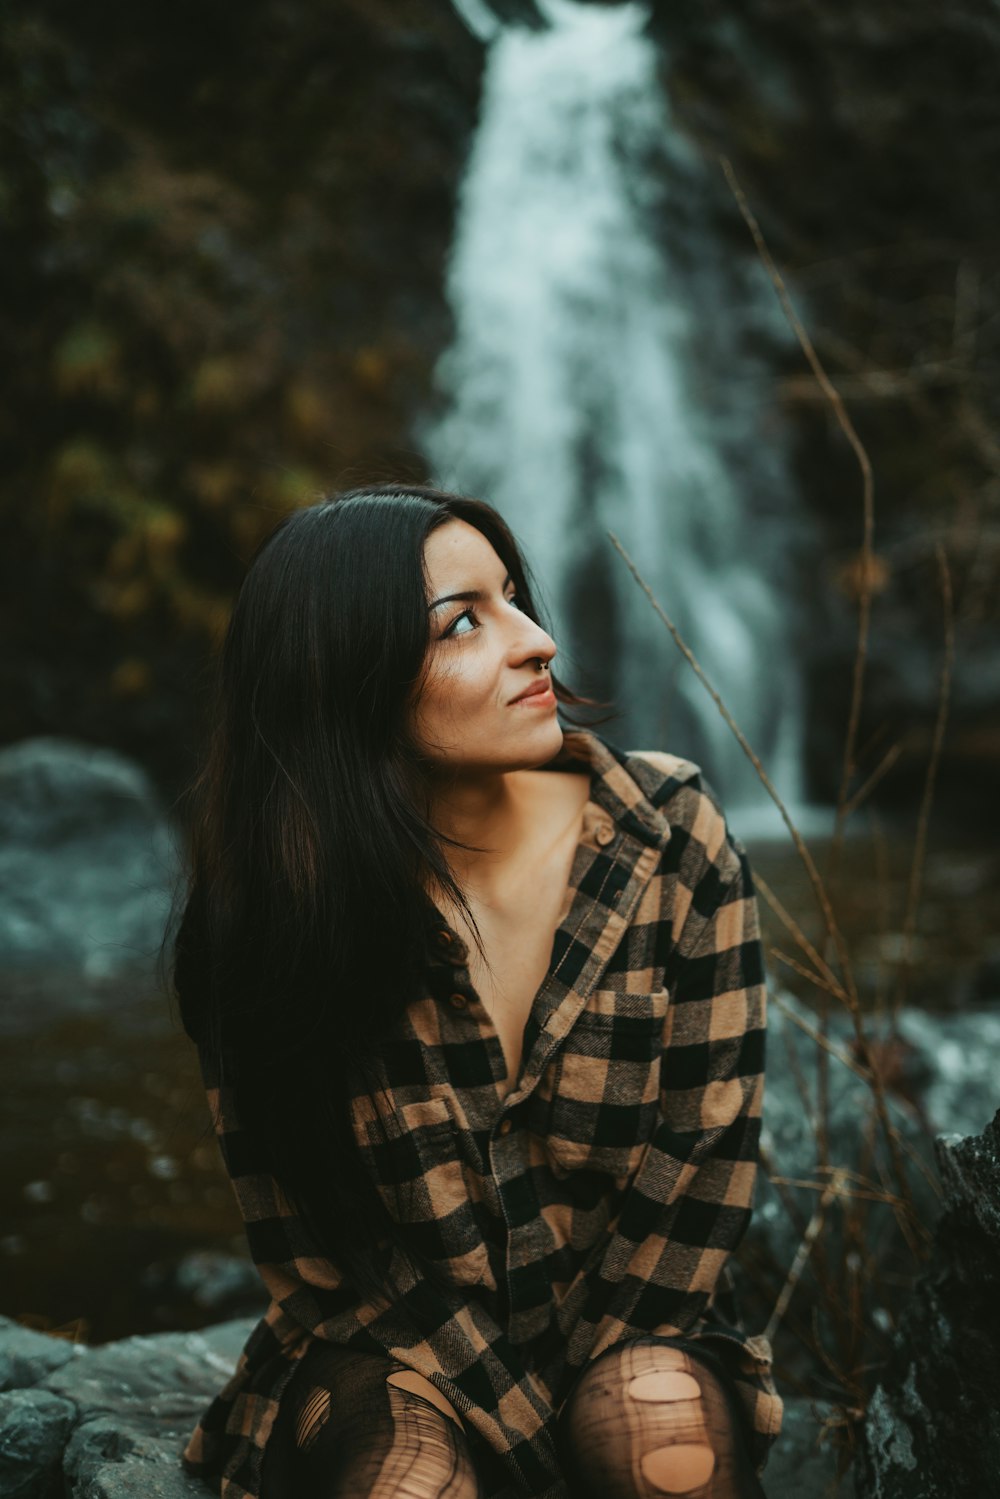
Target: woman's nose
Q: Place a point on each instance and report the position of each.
(536, 642)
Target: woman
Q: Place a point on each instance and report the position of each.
(480, 1010)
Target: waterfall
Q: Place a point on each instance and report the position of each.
(606, 375)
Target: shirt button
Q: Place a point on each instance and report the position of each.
(506, 1125)
(457, 1001)
(605, 833)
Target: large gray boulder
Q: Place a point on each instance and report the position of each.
(34, 1429)
(87, 863)
(108, 1422)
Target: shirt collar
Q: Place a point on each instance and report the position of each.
(620, 783)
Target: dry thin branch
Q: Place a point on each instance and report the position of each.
(824, 1041)
(806, 973)
(815, 878)
(791, 925)
(847, 426)
(867, 787)
(874, 1195)
(920, 848)
(801, 1257)
(864, 609)
(882, 885)
(864, 614)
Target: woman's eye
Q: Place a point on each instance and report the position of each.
(470, 614)
(453, 628)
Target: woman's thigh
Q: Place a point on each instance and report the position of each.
(655, 1416)
(354, 1425)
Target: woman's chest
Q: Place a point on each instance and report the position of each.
(587, 1098)
(518, 952)
(517, 923)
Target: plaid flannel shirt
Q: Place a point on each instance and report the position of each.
(599, 1200)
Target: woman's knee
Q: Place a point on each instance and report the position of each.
(647, 1419)
(358, 1426)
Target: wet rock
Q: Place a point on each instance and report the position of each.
(34, 1427)
(802, 1465)
(108, 1458)
(940, 1076)
(108, 1421)
(931, 1430)
(156, 1383)
(86, 862)
(26, 1356)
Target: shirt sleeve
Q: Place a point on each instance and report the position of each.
(447, 1337)
(691, 1200)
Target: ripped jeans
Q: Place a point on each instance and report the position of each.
(649, 1417)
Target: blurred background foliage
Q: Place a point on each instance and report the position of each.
(223, 243)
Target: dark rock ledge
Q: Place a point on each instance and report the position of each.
(103, 1423)
(932, 1429)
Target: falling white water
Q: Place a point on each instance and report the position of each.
(599, 381)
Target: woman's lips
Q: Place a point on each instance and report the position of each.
(544, 699)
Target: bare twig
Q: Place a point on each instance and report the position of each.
(807, 973)
(920, 847)
(868, 501)
(823, 1041)
(788, 921)
(807, 859)
(864, 601)
(867, 787)
(801, 1257)
(874, 1194)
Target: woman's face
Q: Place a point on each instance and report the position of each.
(483, 652)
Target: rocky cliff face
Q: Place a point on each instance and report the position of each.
(931, 1430)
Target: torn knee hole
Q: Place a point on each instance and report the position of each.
(664, 1385)
(312, 1417)
(416, 1384)
(680, 1468)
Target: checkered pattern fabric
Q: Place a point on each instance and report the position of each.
(598, 1200)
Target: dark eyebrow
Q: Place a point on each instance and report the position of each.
(474, 596)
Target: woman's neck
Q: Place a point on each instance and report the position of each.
(496, 814)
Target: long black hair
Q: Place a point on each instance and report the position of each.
(310, 847)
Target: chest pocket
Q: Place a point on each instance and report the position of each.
(425, 1184)
(606, 1089)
